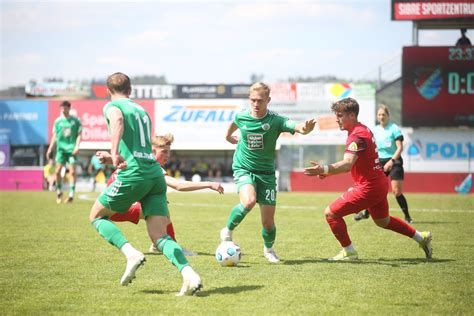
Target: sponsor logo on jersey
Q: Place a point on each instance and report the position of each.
(255, 141)
(139, 154)
(266, 126)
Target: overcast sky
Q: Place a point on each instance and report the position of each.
(203, 41)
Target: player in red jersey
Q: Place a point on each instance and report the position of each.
(161, 146)
(370, 184)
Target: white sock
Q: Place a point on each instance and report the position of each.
(128, 250)
(349, 248)
(417, 236)
(265, 249)
(187, 271)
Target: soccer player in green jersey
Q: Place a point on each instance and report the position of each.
(140, 178)
(67, 137)
(254, 163)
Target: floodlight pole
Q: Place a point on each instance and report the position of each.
(414, 33)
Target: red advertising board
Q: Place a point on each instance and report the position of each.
(438, 86)
(94, 127)
(432, 10)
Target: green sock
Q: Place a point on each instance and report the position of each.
(269, 236)
(110, 232)
(72, 188)
(59, 186)
(172, 251)
(237, 215)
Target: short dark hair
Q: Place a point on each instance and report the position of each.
(348, 105)
(119, 83)
(66, 104)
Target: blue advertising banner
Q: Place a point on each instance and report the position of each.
(23, 122)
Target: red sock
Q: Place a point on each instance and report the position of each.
(170, 231)
(399, 226)
(339, 229)
(132, 215)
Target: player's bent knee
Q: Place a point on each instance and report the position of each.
(96, 211)
(382, 222)
(268, 225)
(249, 203)
(329, 214)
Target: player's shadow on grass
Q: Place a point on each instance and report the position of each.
(381, 261)
(434, 223)
(204, 254)
(207, 254)
(304, 261)
(230, 290)
(398, 262)
(152, 292)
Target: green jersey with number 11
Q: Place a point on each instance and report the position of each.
(135, 145)
(256, 147)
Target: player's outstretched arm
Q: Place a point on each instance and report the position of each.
(321, 170)
(306, 127)
(116, 131)
(186, 186)
(78, 143)
(51, 146)
(230, 130)
(104, 157)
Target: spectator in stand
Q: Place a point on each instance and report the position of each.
(173, 167)
(463, 40)
(201, 168)
(95, 167)
(186, 169)
(49, 175)
(215, 170)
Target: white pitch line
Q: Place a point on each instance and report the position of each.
(298, 207)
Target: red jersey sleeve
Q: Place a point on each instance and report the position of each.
(355, 144)
(112, 178)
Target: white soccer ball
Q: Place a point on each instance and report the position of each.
(228, 254)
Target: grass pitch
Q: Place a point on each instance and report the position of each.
(53, 261)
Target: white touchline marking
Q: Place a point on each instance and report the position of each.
(295, 207)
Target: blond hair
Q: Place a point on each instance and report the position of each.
(161, 141)
(384, 108)
(260, 86)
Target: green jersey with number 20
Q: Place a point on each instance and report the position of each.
(66, 130)
(135, 145)
(256, 147)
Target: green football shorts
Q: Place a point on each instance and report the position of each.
(264, 184)
(151, 193)
(64, 158)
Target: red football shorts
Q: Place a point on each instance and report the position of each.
(360, 198)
